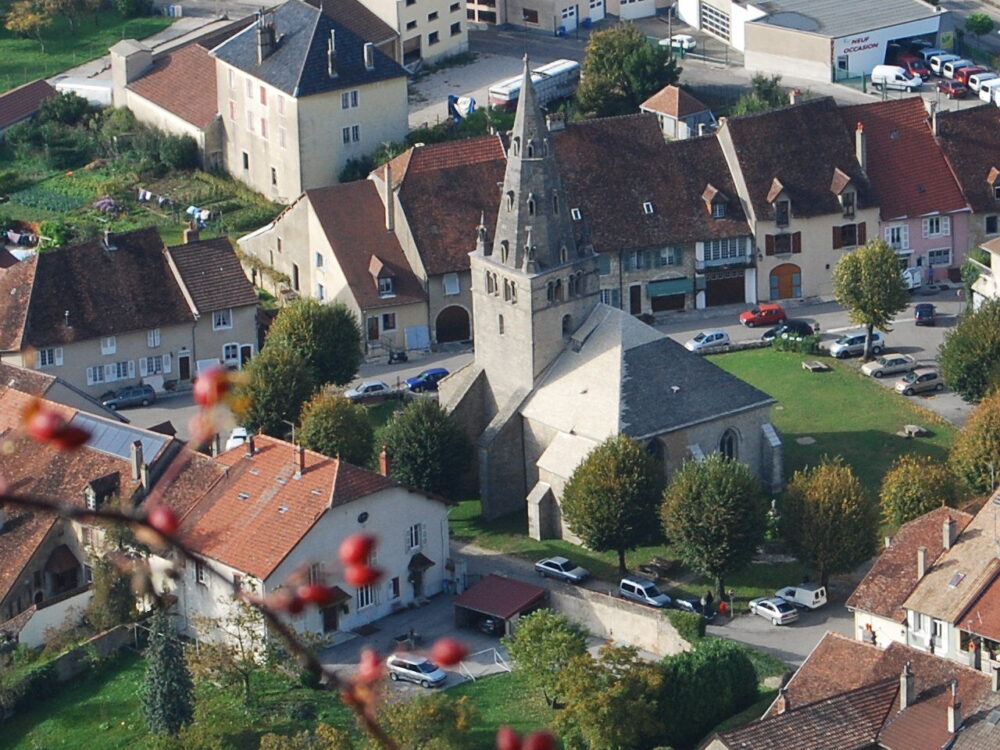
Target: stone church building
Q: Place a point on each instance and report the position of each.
(556, 372)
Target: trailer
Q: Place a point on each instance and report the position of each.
(554, 80)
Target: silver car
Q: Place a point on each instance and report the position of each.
(561, 568)
(778, 611)
(890, 364)
(415, 669)
(644, 591)
(919, 381)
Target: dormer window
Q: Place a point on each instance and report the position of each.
(386, 287)
(719, 210)
(575, 214)
(647, 208)
(848, 201)
(781, 212)
(996, 192)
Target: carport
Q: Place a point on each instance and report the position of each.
(496, 596)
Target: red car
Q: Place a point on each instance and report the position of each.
(952, 89)
(766, 314)
(962, 74)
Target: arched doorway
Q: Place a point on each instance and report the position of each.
(452, 325)
(786, 281)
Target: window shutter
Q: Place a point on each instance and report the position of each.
(887, 235)
(131, 369)
(110, 373)
(423, 534)
(678, 256)
(946, 225)
(769, 244)
(166, 362)
(904, 237)
(143, 367)
(862, 233)
(59, 355)
(926, 225)
(838, 238)
(90, 376)
(797, 242)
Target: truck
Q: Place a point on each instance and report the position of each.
(555, 80)
(804, 596)
(913, 278)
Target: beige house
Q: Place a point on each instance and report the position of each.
(300, 94)
(164, 313)
(333, 244)
(679, 113)
(430, 30)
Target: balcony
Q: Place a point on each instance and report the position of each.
(721, 264)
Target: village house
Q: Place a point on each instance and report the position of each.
(985, 287)
(679, 113)
(430, 30)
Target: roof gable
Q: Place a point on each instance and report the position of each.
(212, 274)
(23, 101)
(673, 101)
(183, 82)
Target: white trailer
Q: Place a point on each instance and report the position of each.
(555, 80)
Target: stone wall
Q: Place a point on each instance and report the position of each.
(77, 660)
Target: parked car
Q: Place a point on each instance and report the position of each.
(935, 62)
(427, 380)
(685, 42)
(913, 64)
(561, 568)
(766, 314)
(690, 604)
(921, 380)
(853, 345)
(133, 395)
(962, 75)
(889, 364)
(778, 611)
(706, 340)
(791, 327)
(926, 53)
(368, 389)
(644, 591)
(952, 89)
(976, 81)
(988, 89)
(412, 668)
(951, 67)
(237, 437)
(895, 77)
(803, 596)
(924, 314)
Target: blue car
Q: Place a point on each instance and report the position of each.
(427, 380)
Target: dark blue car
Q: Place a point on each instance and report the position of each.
(427, 380)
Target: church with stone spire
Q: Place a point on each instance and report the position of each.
(556, 372)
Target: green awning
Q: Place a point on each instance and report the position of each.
(668, 287)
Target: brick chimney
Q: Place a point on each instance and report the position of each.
(191, 233)
(301, 454)
(369, 56)
(136, 460)
(384, 465)
(251, 446)
(921, 562)
(948, 532)
(861, 146)
(954, 709)
(907, 689)
(784, 703)
(390, 206)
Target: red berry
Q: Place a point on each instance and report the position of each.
(370, 667)
(163, 519)
(361, 575)
(212, 384)
(315, 593)
(284, 600)
(295, 604)
(507, 739)
(539, 741)
(44, 425)
(448, 651)
(69, 438)
(356, 549)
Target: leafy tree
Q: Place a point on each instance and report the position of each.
(436, 721)
(829, 519)
(278, 381)
(621, 70)
(969, 358)
(610, 501)
(325, 737)
(231, 648)
(179, 151)
(132, 8)
(327, 336)
(765, 94)
(112, 602)
(334, 426)
(979, 24)
(167, 693)
(867, 282)
(427, 447)
(28, 18)
(68, 108)
(714, 512)
(542, 645)
(73, 10)
(970, 271)
(975, 454)
(913, 486)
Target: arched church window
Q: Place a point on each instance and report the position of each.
(531, 149)
(555, 203)
(504, 251)
(559, 290)
(513, 293)
(531, 205)
(729, 444)
(506, 289)
(489, 283)
(563, 254)
(515, 145)
(550, 291)
(567, 325)
(510, 200)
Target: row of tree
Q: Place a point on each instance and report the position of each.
(30, 17)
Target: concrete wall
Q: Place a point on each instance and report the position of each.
(886, 631)
(807, 55)
(52, 617)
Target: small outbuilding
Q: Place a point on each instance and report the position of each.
(498, 597)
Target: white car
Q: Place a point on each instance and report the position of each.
(561, 568)
(368, 389)
(707, 340)
(685, 42)
(778, 611)
(889, 364)
(238, 436)
(976, 80)
(803, 596)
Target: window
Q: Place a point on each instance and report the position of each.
(320, 292)
(500, 324)
(411, 25)
(411, 2)
(388, 321)
(991, 225)
(295, 276)
(432, 16)
(386, 288)
(109, 345)
(231, 353)
(415, 536)
(432, 38)
(281, 105)
(718, 210)
(490, 287)
(897, 236)
(647, 208)
(249, 120)
(567, 325)
(232, 78)
(529, 15)
(996, 192)
(199, 573)
(603, 264)
(263, 128)
(366, 596)
(781, 213)
(611, 297)
(153, 338)
(274, 177)
(246, 160)
(715, 21)
(222, 319)
(352, 134)
(394, 588)
(319, 260)
(782, 244)
(506, 289)
(454, 7)
(575, 214)
(847, 202)
(95, 375)
(232, 110)
(263, 96)
(939, 257)
(346, 134)
(451, 284)
(349, 99)
(52, 357)
(849, 235)
(119, 370)
(937, 226)
(725, 249)
(249, 83)
(281, 137)
(728, 444)
(155, 365)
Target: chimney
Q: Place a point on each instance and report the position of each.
(251, 446)
(784, 703)
(861, 146)
(190, 233)
(934, 122)
(144, 477)
(921, 562)
(109, 240)
(266, 40)
(994, 672)
(793, 96)
(954, 709)
(301, 462)
(555, 122)
(390, 208)
(369, 56)
(906, 687)
(384, 465)
(948, 532)
(888, 542)
(331, 54)
(136, 455)
(216, 447)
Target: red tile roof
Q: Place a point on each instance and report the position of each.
(22, 102)
(970, 139)
(983, 616)
(500, 597)
(15, 296)
(213, 275)
(182, 82)
(907, 169)
(674, 101)
(893, 577)
(21, 535)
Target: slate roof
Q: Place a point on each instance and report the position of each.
(893, 576)
(212, 274)
(500, 596)
(800, 145)
(907, 169)
(350, 216)
(182, 82)
(970, 139)
(358, 19)
(299, 64)
(444, 190)
(611, 166)
(835, 18)
(23, 101)
(673, 101)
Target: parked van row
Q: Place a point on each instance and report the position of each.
(910, 69)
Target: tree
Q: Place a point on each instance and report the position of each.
(230, 648)
(610, 501)
(179, 151)
(765, 94)
(542, 645)
(621, 70)
(829, 519)
(112, 602)
(73, 10)
(327, 336)
(427, 447)
(868, 283)
(66, 107)
(325, 737)
(28, 18)
(969, 358)
(278, 381)
(979, 24)
(436, 721)
(975, 454)
(714, 512)
(335, 426)
(913, 486)
(167, 693)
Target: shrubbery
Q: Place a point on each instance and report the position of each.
(31, 686)
(689, 625)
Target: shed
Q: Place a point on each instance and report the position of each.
(496, 596)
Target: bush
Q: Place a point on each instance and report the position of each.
(356, 169)
(915, 485)
(133, 8)
(800, 344)
(67, 108)
(689, 625)
(57, 232)
(179, 152)
(34, 685)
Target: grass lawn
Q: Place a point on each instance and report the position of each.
(503, 700)
(22, 60)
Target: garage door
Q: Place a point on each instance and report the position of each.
(668, 294)
(724, 288)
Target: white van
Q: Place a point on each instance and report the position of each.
(951, 67)
(895, 77)
(804, 596)
(976, 80)
(988, 89)
(937, 61)
(928, 52)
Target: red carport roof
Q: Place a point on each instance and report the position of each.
(499, 596)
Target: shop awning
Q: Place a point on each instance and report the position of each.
(668, 287)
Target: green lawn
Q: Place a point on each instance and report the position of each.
(22, 60)
(503, 700)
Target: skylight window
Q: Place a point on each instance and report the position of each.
(282, 508)
(955, 580)
(244, 496)
(647, 208)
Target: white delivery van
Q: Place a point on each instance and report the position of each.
(937, 61)
(988, 89)
(895, 77)
(804, 596)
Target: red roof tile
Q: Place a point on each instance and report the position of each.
(983, 616)
(907, 169)
(22, 102)
(213, 275)
(499, 596)
(970, 139)
(674, 101)
(182, 82)
(15, 296)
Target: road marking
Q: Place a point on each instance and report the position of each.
(857, 328)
